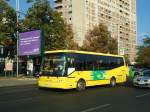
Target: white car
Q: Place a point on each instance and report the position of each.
(142, 80)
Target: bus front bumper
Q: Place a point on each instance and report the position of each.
(59, 85)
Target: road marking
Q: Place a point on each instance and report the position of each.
(146, 94)
(95, 108)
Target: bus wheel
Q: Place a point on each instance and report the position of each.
(113, 82)
(81, 85)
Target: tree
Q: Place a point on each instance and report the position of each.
(7, 26)
(127, 60)
(144, 53)
(71, 44)
(56, 33)
(99, 40)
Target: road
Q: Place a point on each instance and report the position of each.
(94, 99)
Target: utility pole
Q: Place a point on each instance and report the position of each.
(17, 14)
(118, 32)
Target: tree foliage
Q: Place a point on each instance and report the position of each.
(57, 34)
(143, 58)
(127, 60)
(99, 40)
(7, 23)
(7, 28)
(70, 43)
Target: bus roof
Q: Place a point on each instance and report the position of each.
(81, 52)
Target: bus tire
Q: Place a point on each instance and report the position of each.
(81, 85)
(113, 82)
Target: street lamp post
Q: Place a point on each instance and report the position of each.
(17, 14)
(118, 39)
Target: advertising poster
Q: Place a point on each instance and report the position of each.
(30, 43)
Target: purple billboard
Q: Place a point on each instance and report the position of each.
(30, 43)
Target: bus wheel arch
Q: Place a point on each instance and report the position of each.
(81, 84)
(113, 81)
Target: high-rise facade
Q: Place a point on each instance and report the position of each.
(118, 15)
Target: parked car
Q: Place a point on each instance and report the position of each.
(143, 79)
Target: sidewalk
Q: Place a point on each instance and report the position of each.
(12, 81)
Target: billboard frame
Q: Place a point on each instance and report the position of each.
(39, 41)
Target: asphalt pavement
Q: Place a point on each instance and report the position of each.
(28, 98)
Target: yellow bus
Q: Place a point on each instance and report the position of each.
(67, 69)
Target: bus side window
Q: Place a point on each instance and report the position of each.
(79, 62)
(96, 65)
(102, 63)
(105, 62)
(110, 62)
(120, 62)
(113, 62)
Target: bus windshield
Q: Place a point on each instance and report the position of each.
(54, 65)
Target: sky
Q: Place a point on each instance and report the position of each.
(23, 5)
(143, 15)
(143, 18)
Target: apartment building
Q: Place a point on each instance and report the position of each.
(118, 15)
